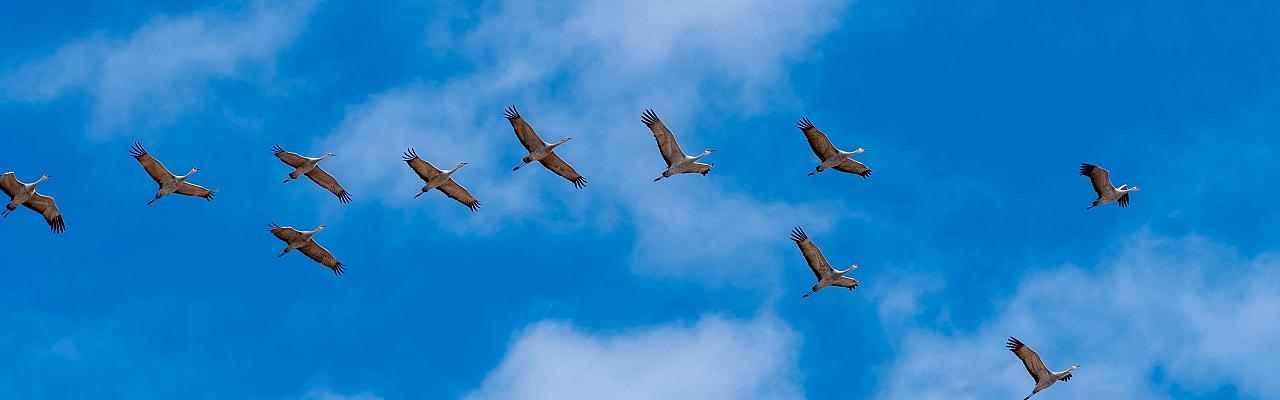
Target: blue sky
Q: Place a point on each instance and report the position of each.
(975, 115)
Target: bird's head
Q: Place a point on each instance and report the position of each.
(850, 269)
(1134, 189)
(566, 139)
(327, 155)
(321, 228)
(463, 163)
(194, 169)
(859, 151)
(1074, 367)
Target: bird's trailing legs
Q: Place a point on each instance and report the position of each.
(658, 178)
(517, 168)
(815, 291)
(6, 212)
(420, 194)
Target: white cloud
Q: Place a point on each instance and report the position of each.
(1189, 310)
(587, 70)
(161, 70)
(712, 359)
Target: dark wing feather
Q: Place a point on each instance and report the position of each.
(285, 233)
(846, 282)
(1124, 200)
(812, 255)
(524, 132)
(455, 191)
(851, 166)
(154, 168)
(818, 141)
(46, 207)
(191, 189)
(1100, 178)
(1029, 358)
(424, 169)
(322, 255)
(671, 152)
(10, 184)
(555, 164)
(322, 178)
(293, 159)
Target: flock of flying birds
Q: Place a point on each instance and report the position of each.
(678, 162)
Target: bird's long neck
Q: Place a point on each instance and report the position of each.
(557, 144)
(704, 154)
(189, 173)
(455, 169)
(846, 270)
(37, 182)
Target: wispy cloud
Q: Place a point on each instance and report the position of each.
(160, 71)
(1160, 315)
(714, 358)
(326, 394)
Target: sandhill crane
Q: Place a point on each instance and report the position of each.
(677, 161)
(541, 151)
(311, 168)
(24, 194)
(826, 275)
(169, 183)
(1043, 376)
(302, 241)
(1102, 185)
(830, 156)
(440, 179)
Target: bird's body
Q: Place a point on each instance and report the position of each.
(302, 241)
(828, 154)
(677, 161)
(1101, 181)
(25, 194)
(541, 151)
(822, 270)
(442, 180)
(168, 182)
(1031, 360)
(310, 166)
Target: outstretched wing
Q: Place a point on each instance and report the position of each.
(1029, 358)
(10, 185)
(818, 141)
(322, 255)
(671, 152)
(1100, 178)
(293, 159)
(455, 191)
(700, 168)
(322, 178)
(846, 282)
(153, 167)
(812, 255)
(46, 207)
(555, 164)
(524, 132)
(853, 167)
(191, 189)
(285, 233)
(424, 169)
